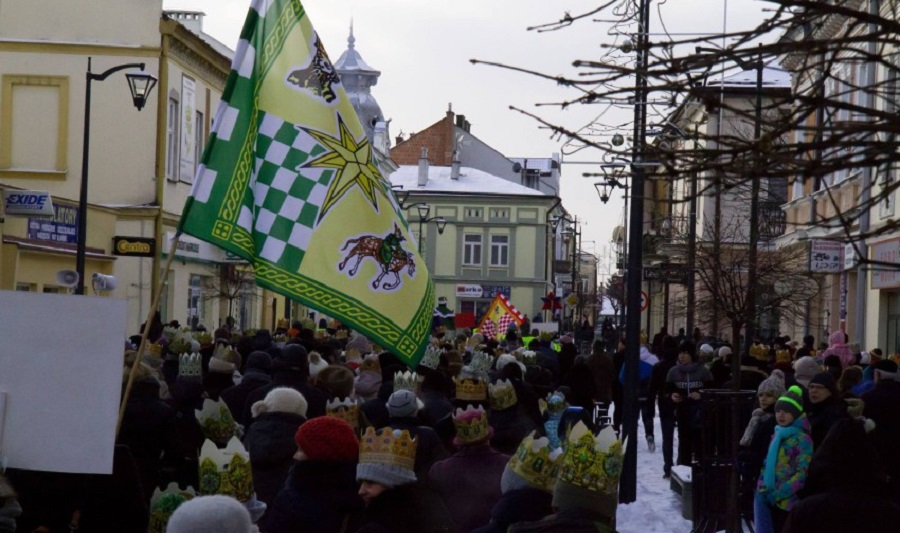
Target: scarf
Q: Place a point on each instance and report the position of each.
(781, 433)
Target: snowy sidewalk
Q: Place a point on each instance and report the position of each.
(657, 509)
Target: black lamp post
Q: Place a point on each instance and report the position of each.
(424, 210)
(140, 85)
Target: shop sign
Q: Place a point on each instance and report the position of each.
(673, 273)
(850, 257)
(33, 203)
(885, 254)
(63, 227)
(134, 246)
(491, 291)
(825, 257)
(468, 291)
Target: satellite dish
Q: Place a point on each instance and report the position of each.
(517, 167)
(67, 278)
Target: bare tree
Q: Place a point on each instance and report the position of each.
(229, 282)
(614, 291)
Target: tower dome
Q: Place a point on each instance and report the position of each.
(358, 77)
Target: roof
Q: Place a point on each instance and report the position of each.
(470, 181)
(351, 60)
(772, 76)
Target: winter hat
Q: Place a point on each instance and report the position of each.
(826, 379)
(772, 385)
(336, 380)
(387, 456)
(259, 361)
(293, 357)
(281, 400)
(804, 369)
(886, 369)
(567, 339)
(316, 363)
(326, 438)
(359, 342)
(791, 401)
(367, 384)
(506, 359)
(707, 350)
(724, 351)
(210, 514)
(403, 404)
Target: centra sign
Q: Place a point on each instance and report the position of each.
(134, 246)
(28, 203)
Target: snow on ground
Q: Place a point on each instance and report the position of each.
(657, 509)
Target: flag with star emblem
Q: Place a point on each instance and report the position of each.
(290, 183)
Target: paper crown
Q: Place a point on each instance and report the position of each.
(782, 356)
(216, 421)
(189, 365)
(370, 364)
(406, 381)
(153, 350)
(592, 463)
(432, 357)
(480, 363)
(470, 389)
(226, 353)
(388, 447)
(163, 504)
(529, 357)
(471, 425)
(503, 395)
(346, 409)
(226, 471)
(760, 351)
(536, 462)
(179, 340)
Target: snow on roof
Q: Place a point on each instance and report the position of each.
(470, 181)
(773, 76)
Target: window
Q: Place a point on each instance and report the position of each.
(472, 250)
(172, 140)
(34, 126)
(199, 137)
(500, 250)
(194, 296)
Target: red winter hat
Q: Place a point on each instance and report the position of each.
(326, 438)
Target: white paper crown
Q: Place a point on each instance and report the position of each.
(163, 504)
(406, 381)
(480, 364)
(226, 471)
(432, 357)
(529, 357)
(216, 420)
(189, 365)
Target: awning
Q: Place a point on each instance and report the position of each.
(56, 248)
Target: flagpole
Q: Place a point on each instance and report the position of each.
(153, 307)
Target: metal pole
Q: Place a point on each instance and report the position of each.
(628, 481)
(750, 326)
(692, 248)
(81, 246)
(421, 220)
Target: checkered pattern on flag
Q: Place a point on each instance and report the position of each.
(290, 183)
(505, 321)
(500, 315)
(488, 329)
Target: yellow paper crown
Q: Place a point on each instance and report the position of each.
(216, 421)
(592, 463)
(163, 504)
(347, 410)
(226, 471)
(406, 381)
(782, 356)
(503, 395)
(388, 447)
(536, 463)
(153, 350)
(471, 425)
(470, 389)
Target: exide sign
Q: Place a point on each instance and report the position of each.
(28, 203)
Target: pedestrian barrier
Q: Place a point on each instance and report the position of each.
(681, 482)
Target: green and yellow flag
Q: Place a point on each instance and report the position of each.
(290, 183)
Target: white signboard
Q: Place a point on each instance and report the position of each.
(469, 291)
(850, 258)
(825, 257)
(188, 110)
(61, 373)
(27, 203)
(885, 254)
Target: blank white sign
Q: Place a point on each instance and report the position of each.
(61, 369)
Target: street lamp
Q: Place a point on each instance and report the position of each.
(573, 232)
(424, 209)
(140, 85)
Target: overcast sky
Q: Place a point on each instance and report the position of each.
(423, 47)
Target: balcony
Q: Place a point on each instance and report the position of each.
(772, 221)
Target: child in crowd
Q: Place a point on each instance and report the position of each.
(755, 442)
(786, 464)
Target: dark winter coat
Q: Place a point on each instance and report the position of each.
(882, 405)
(576, 520)
(315, 398)
(602, 371)
(216, 382)
(843, 510)
(549, 359)
(182, 467)
(407, 509)
(148, 429)
(510, 427)
(685, 379)
(235, 397)
(522, 505)
(658, 387)
(317, 497)
(580, 380)
(823, 415)
(270, 443)
(429, 448)
(469, 484)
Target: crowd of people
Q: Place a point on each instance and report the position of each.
(308, 429)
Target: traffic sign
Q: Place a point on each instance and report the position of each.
(645, 301)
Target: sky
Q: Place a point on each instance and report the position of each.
(423, 48)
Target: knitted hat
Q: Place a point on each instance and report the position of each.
(281, 400)
(317, 363)
(337, 380)
(805, 368)
(791, 401)
(772, 385)
(403, 404)
(724, 351)
(210, 514)
(260, 361)
(387, 456)
(825, 379)
(326, 438)
(706, 349)
(293, 357)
